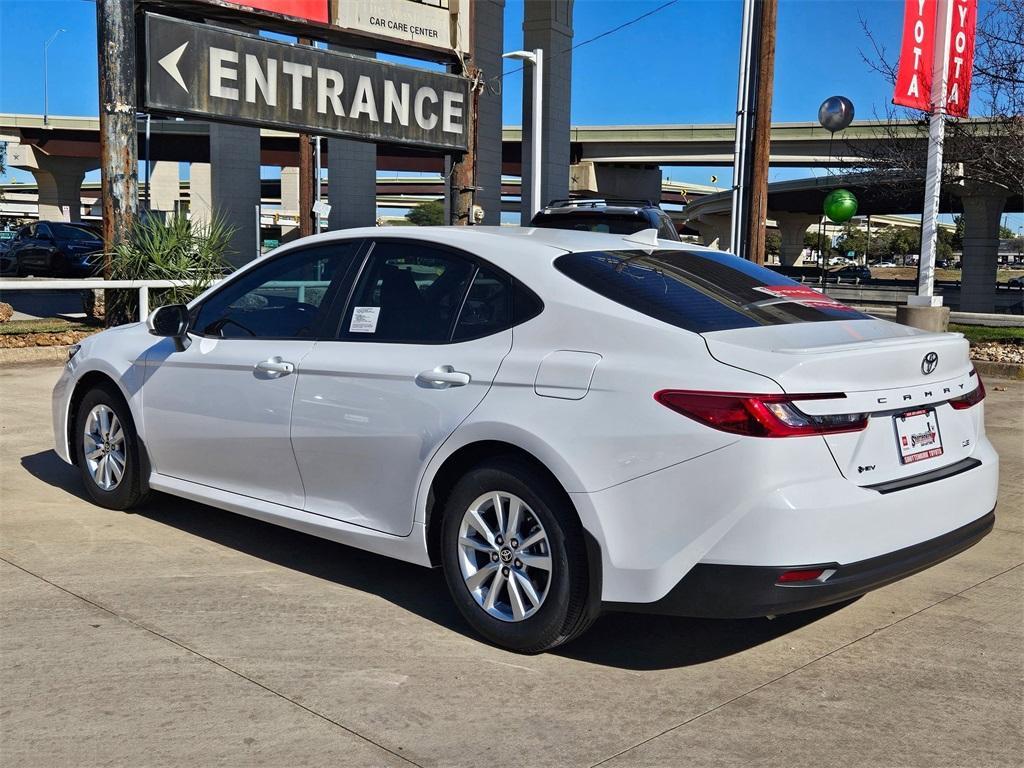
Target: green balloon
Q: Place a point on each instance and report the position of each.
(840, 205)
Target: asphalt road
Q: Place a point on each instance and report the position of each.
(183, 635)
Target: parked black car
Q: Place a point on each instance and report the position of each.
(619, 217)
(57, 249)
(8, 264)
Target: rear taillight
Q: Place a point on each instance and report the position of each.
(971, 398)
(759, 415)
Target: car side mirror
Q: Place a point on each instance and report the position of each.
(170, 321)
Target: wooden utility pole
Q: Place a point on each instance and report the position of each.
(307, 193)
(463, 180)
(765, 63)
(119, 150)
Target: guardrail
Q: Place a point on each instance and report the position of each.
(88, 284)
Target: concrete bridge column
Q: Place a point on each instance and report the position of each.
(983, 206)
(164, 186)
(60, 194)
(351, 175)
(547, 24)
(289, 201)
(488, 20)
(714, 230)
(59, 180)
(792, 227)
(235, 186)
(200, 195)
(629, 181)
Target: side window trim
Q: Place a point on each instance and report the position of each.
(457, 316)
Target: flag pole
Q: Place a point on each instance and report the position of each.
(933, 178)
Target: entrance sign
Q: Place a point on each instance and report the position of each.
(961, 56)
(917, 53)
(219, 74)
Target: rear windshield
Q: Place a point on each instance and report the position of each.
(72, 232)
(594, 221)
(700, 291)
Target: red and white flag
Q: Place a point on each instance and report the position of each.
(961, 57)
(917, 54)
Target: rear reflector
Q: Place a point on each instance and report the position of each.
(759, 415)
(795, 576)
(971, 398)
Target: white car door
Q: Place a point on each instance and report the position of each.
(218, 413)
(415, 354)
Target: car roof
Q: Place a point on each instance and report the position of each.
(481, 239)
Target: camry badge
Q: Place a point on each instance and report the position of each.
(930, 363)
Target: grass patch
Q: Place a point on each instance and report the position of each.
(45, 325)
(979, 333)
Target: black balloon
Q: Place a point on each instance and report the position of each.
(835, 113)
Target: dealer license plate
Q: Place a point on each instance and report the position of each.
(917, 435)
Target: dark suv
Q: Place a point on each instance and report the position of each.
(57, 249)
(619, 217)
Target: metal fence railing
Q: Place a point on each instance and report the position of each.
(88, 284)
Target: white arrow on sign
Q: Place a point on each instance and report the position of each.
(170, 63)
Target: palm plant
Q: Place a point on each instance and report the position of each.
(176, 248)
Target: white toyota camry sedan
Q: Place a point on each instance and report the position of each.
(565, 422)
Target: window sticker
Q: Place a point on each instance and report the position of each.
(803, 295)
(364, 320)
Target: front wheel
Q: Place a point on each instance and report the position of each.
(514, 557)
(108, 449)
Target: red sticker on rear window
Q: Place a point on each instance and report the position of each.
(804, 295)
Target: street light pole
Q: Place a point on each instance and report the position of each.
(535, 57)
(46, 94)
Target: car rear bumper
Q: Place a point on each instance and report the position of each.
(740, 592)
(746, 507)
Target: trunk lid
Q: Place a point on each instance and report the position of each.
(886, 370)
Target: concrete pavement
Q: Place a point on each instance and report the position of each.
(183, 635)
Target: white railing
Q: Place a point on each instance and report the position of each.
(88, 284)
(142, 286)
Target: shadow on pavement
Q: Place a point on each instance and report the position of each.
(625, 640)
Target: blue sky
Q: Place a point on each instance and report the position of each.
(677, 66)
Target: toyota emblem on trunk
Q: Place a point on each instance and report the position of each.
(930, 363)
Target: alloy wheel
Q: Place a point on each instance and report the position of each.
(505, 556)
(103, 444)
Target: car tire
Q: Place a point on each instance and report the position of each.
(549, 607)
(111, 466)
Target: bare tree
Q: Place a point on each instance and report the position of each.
(986, 149)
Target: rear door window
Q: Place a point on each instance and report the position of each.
(700, 291)
(408, 292)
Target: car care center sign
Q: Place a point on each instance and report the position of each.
(219, 74)
(424, 23)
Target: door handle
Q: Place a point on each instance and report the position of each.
(443, 377)
(276, 366)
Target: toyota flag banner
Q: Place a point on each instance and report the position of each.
(931, 28)
(961, 57)
(917, 54)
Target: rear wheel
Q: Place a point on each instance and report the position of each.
(108, 449)
(514, 558)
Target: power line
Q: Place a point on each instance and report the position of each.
(593, 39)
